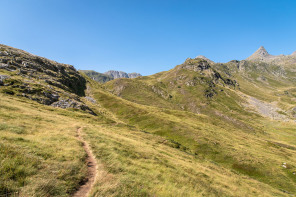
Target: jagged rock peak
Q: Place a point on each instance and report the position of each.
(260, 54)
(120, 74)
(262, 51)
(134, 75)
(204, 58)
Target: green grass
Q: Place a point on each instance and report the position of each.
(39, 153)
(225, 134)
(186, 155)
(147, 144)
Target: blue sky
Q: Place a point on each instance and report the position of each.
(147, 36)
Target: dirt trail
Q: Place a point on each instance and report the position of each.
(92, 168)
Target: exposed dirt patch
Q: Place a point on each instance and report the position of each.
(92, 168)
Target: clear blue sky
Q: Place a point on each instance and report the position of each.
(147, 36)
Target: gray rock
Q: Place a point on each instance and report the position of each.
(90, 99)
(69, 103)
(205, 58)
(196, 65)
(294, 112)
(117, 74)
(2, 78)
(63, 76)
(120, 74)
(161, 92)
(261, 55)
(134, 75)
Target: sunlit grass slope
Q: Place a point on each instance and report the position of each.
(184, 132)
(221, 130)
(41, 156)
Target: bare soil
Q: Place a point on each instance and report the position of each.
(85, 188)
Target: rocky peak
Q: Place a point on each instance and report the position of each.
(204, 58)
(120, 74)
(116, 74)
(196, 64)
(134, 75)
(260, 54)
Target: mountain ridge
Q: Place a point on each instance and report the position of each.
(120, 74)
(262, 55)
(109, 75)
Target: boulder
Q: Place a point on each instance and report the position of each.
(69, 103)
(2, 78)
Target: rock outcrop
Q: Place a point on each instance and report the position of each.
(134, 75)
(69, 103)
(116, 74)
(204, 58)
(196, 64)
(40, 79)
(2, 78)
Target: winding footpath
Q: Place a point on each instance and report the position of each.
(92, 166)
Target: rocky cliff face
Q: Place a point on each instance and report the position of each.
(134, 75)
(109, 75)
(120, 74)
(40, 79)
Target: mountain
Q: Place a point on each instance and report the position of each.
(201, 128)
(238, 98)
(120, 74)
(99, 77)
(205, 58)
(262, 55)
(109, 75)
(134, 75)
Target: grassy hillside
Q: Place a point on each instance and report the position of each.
(253, 146)
(39, 153)
(221, 128)
(47, 159)
(197, 130)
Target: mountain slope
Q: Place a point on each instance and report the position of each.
(232, 105)
(40, 79)
(189, 131)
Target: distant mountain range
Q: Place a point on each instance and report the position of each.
(109, 75)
